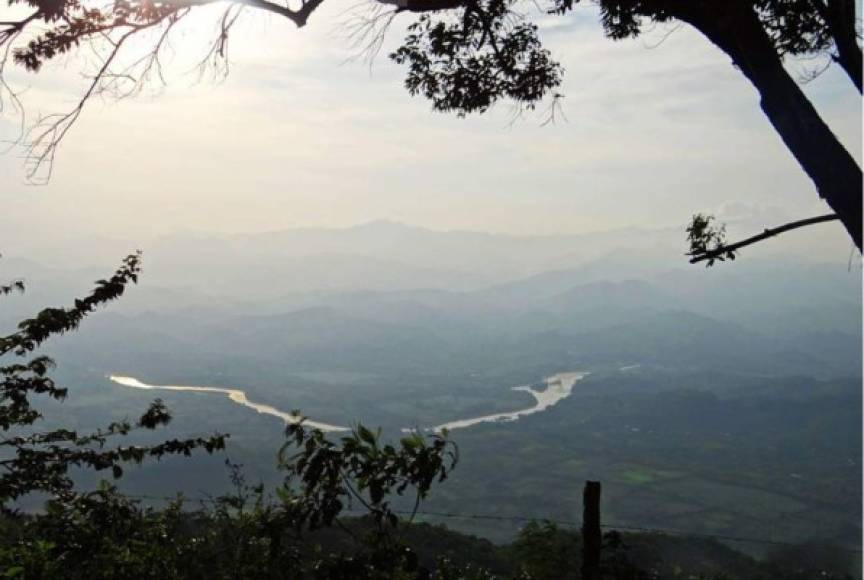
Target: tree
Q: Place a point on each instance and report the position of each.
(103, 534)
(246, 534)
(465, 55)
(40, 461)
(544, 550)
(323, 477)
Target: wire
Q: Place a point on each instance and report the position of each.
(624, 527)
(568, 523)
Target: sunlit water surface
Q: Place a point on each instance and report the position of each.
(558, 387)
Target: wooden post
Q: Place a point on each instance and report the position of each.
(592, 538)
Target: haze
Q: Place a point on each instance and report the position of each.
(314, 239)
(655, 130)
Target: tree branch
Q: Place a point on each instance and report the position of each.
(839, 15)
(768, 233)
(298, 17)
(426, 5)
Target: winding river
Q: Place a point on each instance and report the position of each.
(235, 395)
(558, 387)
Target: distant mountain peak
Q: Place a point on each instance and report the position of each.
(386, 224)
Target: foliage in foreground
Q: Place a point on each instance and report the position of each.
(40, 461)
(303, 531)
(104, 535)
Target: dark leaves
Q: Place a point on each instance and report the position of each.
(706, 238)
(41, 461)
(797, 27)
(467, 64)
(155, 416)
(50, 321)
(324, 477)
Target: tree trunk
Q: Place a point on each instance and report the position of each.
(734, 27)
(840, 15)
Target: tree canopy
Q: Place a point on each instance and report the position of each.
(466, 55)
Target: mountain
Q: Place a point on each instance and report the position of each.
(387, 297)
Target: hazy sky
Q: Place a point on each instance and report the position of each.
(297, 137)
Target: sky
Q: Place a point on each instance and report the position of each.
(656, 129)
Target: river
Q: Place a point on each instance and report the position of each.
(558, 387)
(235, 395)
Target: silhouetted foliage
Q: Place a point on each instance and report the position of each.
(104, 535)
(361, 470)
(543, 550)
(35, 461)
(466, 55)
(707, 238)
(248, 534)
(465, 65)
(245, 534)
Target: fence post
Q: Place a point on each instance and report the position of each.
(592, 538)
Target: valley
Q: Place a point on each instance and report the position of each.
(698, 412)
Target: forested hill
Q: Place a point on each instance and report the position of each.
(713, 415)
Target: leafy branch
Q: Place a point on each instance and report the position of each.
(323, 476)
(41, 461)
(708, 241)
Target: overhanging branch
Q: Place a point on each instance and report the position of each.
(426, 5)
(768, 233)
(298, 16)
